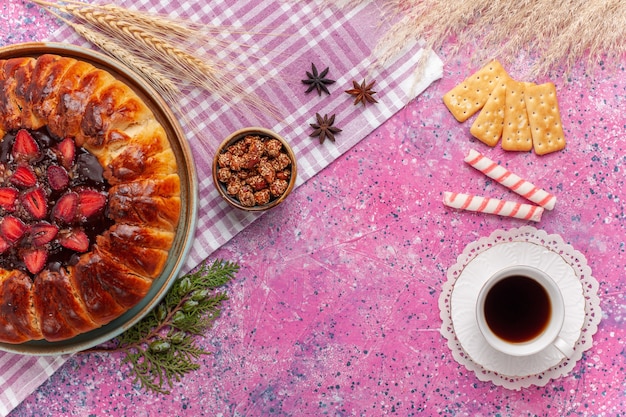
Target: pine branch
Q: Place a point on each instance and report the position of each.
(162, 348)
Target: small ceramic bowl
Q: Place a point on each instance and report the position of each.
(235, 163)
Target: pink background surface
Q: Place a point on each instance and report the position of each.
(334, 311)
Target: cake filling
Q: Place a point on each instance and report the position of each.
(53, 199)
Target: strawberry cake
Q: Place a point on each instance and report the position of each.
(89, 198)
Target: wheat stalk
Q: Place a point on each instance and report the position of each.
(164, 85)
(141, 38)
(191, 34)
(156, 23)
(183, 29)
(161, 42)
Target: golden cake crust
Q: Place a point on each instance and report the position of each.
(73, 98)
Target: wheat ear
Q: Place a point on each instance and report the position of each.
(142, 37)
(163, 85)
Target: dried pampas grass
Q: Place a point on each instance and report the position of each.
(556, 35)
(173, 55)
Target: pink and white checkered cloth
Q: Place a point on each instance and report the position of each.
(302, 33)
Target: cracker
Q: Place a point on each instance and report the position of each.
(516, 134)
(467, 98)
(488, 125)
(544, 118)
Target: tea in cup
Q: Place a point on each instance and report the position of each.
(520, 312)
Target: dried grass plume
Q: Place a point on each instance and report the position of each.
(555, 34)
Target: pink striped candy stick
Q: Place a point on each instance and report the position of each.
(492, 206)
(511, 181)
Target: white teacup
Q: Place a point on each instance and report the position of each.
(520, 312)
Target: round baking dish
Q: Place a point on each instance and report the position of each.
(189, 199)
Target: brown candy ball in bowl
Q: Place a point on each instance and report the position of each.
(254, 169)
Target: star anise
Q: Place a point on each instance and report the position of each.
(317, 81)
(324, 127)
(362, 93)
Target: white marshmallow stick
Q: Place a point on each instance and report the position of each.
(492, 206)
(511, 181)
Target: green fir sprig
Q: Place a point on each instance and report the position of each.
(162, 347)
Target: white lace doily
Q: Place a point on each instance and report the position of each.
(571, 256)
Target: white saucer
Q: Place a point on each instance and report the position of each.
(465, 293)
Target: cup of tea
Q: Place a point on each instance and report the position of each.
(520, 312)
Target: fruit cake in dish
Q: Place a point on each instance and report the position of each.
(89, 198)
